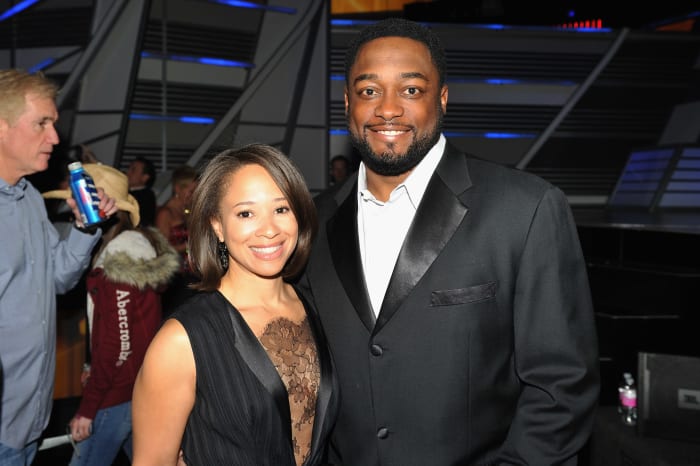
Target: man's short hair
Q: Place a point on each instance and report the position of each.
(148, 168)
(399, 27)
(15, 84)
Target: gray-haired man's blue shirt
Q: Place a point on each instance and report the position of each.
(34, 266)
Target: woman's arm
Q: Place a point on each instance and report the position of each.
(163, 397)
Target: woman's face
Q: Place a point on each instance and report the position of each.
(256, 223)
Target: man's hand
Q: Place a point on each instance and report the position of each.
(107, 205)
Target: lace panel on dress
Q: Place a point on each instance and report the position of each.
(292, 349)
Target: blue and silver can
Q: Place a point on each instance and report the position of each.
(85, 194)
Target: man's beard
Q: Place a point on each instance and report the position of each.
(392, 164)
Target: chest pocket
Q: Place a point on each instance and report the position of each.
(467, 295)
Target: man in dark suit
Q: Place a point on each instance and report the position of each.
(339, 170)
(453, 291)
(142, 175)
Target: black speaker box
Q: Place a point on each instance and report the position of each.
(668, 396)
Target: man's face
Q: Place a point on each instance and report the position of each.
(339, 170)
(135, 174)
(394, 104)
(26, 145)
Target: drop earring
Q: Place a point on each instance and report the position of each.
(223, 255)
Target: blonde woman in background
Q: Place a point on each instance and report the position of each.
(171, 220)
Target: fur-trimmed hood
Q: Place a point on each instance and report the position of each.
(130, 258)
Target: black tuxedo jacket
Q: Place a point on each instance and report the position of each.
(484, 350)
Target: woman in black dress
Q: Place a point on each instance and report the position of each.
(240, 373)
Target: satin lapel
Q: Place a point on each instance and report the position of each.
(345, 250)
(259, 362)
(325, 389)
(437, 218)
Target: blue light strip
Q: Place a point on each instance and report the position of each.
(257, 6)
(17, 8)
(364, 22)
(351, 22)
(490, 135)
(42, 65)
(182, 119)
(489, 81)
(510, 81)
(201, 60)
(459, 134)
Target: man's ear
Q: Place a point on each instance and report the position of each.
(443, 98)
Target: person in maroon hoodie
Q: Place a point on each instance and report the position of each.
(129, 271)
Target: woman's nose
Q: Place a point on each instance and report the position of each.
(268, 227)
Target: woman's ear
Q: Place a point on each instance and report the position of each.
(218, 230)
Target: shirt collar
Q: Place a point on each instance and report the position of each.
(416, 183)
(15, 192)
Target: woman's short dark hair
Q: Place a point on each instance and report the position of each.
(212, 187)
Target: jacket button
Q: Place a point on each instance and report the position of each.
(383, 433)
(376, 350)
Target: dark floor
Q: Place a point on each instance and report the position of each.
(54, 456)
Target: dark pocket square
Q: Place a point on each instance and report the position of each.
(463, 295)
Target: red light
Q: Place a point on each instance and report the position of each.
(587, 24)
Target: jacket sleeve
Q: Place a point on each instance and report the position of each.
(556, 348)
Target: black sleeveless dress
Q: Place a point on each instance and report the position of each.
(241, 415)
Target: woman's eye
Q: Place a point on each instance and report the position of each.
(245, 214)
(282, 210)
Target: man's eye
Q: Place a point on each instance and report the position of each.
(412, 91)
(368, 92)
